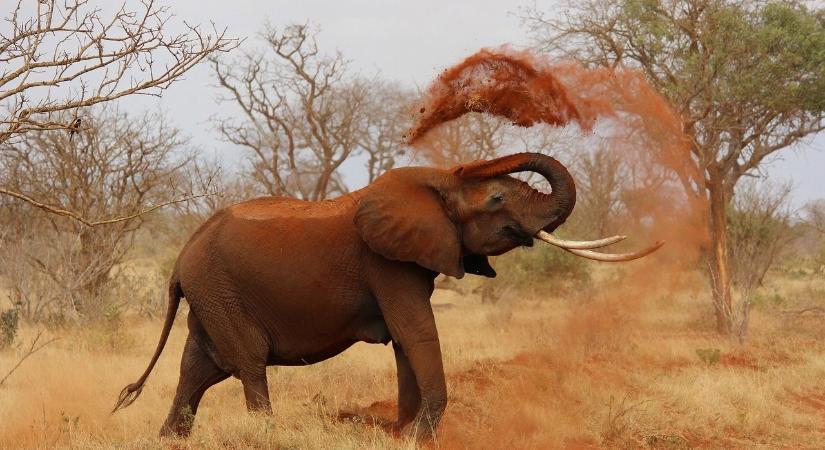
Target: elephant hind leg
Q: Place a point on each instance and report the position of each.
(256, 389)
(253, 373)
(198, 372)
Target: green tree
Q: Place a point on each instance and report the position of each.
(747, 78)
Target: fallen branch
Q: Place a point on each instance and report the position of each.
(813, 309)
(34, 348)
(93, 223)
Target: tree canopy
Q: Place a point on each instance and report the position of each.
(746, 76)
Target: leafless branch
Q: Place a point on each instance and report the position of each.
(304, 114)
(812, 309)
(33, 348)
(815, 216)
(98, 188)
(93, 223)
(60, 56)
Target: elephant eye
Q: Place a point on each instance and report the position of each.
(498, 197)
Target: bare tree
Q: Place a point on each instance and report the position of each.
(759, 223)
(117, 165)
(59, 57)
(815, 221)
(387, 118)
(470, 137)
(599, 183)
(211, 175)
(815, 215)
(745, 76)
(304, 115)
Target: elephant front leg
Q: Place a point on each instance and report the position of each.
(422, 389)
(403, 292)
(425, 360)
(409, 397)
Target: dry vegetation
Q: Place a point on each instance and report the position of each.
(637, 364)
(555, 353)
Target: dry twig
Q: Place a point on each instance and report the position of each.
(33, 348)
(93, 223)
(59, 56)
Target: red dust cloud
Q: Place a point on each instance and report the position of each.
(660, 202)
(643, 129)
(502, 84)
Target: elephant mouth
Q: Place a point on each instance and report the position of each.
(517, 236)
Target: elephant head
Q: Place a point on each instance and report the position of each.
(449, 221)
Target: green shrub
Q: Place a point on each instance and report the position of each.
(667, 441)
(761, 299)
(539, 270)
(543, 263)
(797, 274)
(109, 334)
(9, 324)
(709, 356)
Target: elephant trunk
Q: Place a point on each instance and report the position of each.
(545, 211)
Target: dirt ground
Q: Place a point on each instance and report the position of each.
(627, 368)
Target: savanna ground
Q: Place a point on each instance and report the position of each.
(627, 360)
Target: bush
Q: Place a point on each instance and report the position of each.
(819, 260)
(540, 270)
(109, 333)
(551, 263)
(9, 323)
(709, 356)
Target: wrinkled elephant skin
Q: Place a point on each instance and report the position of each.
(277, 281)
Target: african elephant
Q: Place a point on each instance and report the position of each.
(278, 281)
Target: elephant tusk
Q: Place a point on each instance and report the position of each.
(581, 248)
(616, 257)
(578, 245)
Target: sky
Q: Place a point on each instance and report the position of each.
(409, 42)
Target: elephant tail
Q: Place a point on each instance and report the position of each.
(131, 392)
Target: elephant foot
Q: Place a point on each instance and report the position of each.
(175, 432)
(379, 414)
(178, 427)
(367, 418)
(425, 424)
(418, 430)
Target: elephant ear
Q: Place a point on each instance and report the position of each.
(478, 265)
(404, 220)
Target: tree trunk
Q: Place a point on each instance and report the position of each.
(718, 262)
(93, 270)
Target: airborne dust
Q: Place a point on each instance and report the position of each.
(635, 123)
(631, 121)
(611, 366)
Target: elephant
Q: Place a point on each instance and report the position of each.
(280, 281)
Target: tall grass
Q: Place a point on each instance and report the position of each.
(619, 369)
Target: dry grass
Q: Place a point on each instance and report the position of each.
(617, 370)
